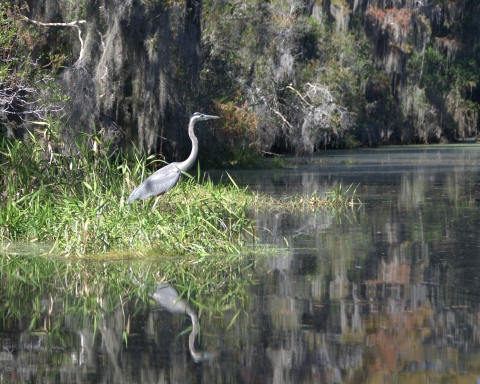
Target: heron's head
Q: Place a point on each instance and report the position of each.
(197, 116)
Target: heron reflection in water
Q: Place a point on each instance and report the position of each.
(168, 298)
(167, 177)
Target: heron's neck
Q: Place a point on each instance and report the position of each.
(187, 164)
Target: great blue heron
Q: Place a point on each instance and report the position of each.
(167, 177)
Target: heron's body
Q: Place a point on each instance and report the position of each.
(167, 177)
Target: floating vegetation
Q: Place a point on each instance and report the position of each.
(338, 197)
(335, 198)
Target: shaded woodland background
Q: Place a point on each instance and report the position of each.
(288, 75)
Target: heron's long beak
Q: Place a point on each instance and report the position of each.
(209, 117)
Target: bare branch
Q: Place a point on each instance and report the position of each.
(73, 24)
(283, 118)
(299, 94)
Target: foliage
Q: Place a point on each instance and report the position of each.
(273, 55)
(327, 57)
(234, 138)
(339, 197)
(77, 203)
(350, 141)
(25, 76)
(449, 84)
(436, 78)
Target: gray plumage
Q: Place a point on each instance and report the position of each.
(167, 177)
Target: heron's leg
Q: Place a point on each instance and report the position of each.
(156, 201)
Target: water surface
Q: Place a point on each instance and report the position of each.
(386, 292)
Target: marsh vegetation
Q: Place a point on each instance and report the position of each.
(77, 204)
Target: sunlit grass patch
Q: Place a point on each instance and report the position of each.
(195, 218)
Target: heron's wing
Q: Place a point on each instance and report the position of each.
(157, 183)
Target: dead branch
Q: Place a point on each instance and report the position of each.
(73, 24)
(283, 118)
(272, 153)
(299, 94)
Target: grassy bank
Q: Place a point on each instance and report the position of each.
(76, 203)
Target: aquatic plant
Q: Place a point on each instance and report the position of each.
(334, 198)
(339, 197)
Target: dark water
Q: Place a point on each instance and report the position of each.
(386, 292)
